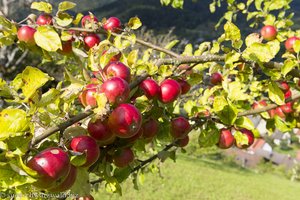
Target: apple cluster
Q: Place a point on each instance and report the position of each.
(227, 139)
(26, 33)
(269, 33)
(282, 110)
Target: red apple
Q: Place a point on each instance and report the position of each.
(272, 113)
(87, 145)
(268, 32)
(52, 165)
(169, 91)
(279, 112)
(26, 34)
(123, 157)
(88, 19)
(99, 130)
(183, 142)
(117, 69)
(112, 24)
(66, 47)
(185, 86)
(226, 139)
(287, 108)
(284, 86)
(216, 78)
(114, 58)
(135, 137)
(180, 127)
(260, 104)
(289, 43)
(116, 90)
(87, 97)
(288, 94)
(67, 183)
(44, 19)
(91, 40)
(125, 121)
(250, 137)
(150, 88)
(150, 128)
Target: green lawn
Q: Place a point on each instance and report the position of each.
(191, 178)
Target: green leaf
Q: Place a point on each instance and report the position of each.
(13, 122)
(66, 5)
(188, 50)
(33, 79)
(10, 178)
(170, 45)
(244, 122)
(225, 110)
(64, 19)
(132, 57)
(275, 93)
(134, 23)
(232, 57)
(78, 18)
(241, 138)
(232, 32)
(236, 91)
(296, 46)
(281, 125)
(78, 160)
(209, 136)
(259, 52)
(42, 6)
(81, 186)
(48, 97)
(112, 185)
(47, 38)
(288, 66)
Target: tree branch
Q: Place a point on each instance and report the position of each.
(266, 108)
(149, 160)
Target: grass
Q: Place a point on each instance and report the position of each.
(191, 178)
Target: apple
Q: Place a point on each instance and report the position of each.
(135, 137)
(226, 139)
(116, 90)
(180, 127)
(169, 91)
(185, 67)
(284, 86)
(216, 78)
(26, 34)
(268, 32)
(88, 19)
(260, 104)
(91, 40)
(66, 47)
(150, 128)
(150, 88)
(67, 183)
(123, 157)
(114, 58)
(250, 137)
(99, 130)
(287, 108)
(87, 197)
(185, 86)
(183, 142)
(87, 145)
(288, 94)
(44, 19)
(289, 43)
(51, 164)
(112, 24)
(117, 69)
(87, 96)
(125, 121)
(279, 112)
(272, 113)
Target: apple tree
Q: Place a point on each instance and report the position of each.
(121, 109)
